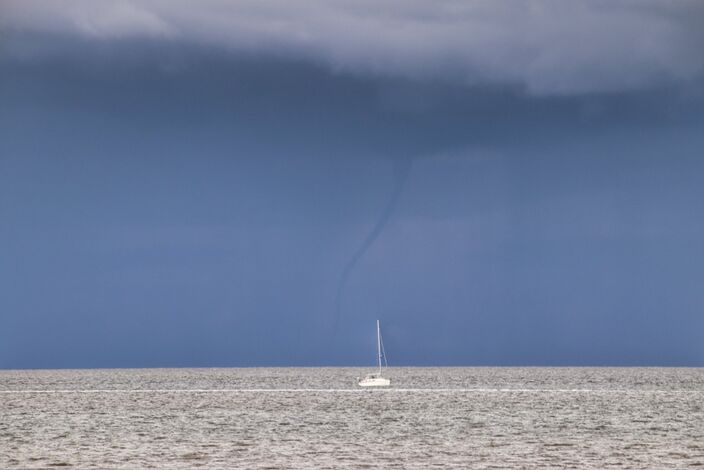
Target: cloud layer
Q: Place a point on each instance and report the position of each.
(548, 47)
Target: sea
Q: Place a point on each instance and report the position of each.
(319, 418)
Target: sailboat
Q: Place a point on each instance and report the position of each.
(376, 380)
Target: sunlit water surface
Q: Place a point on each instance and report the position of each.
(319, 418)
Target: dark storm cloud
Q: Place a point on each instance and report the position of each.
(238, 96)
(545, 46)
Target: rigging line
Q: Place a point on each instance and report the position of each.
(383, 351)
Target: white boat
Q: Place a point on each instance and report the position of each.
(376, 380)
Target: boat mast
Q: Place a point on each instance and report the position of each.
(378, 344)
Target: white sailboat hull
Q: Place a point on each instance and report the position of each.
(372, 381)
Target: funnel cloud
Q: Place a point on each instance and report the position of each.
(402, 168)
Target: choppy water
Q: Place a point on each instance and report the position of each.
(291, 418)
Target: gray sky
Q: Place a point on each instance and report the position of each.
(184, 185)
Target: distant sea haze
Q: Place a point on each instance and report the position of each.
(318, 417)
